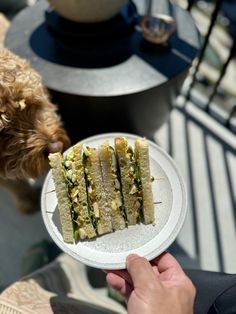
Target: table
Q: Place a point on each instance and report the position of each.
(123, 84)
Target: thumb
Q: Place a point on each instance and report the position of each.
(140, 271)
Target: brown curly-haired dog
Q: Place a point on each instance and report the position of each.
(30, 127)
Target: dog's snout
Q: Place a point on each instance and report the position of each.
(55, 147)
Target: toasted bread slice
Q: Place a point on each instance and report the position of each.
(64, 204)
(142, 161)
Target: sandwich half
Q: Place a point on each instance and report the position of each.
(99, 209)
(70, 186)
(143, 176)
(130, 191)
(77, 190)
(64, 204)
(135, 180)
(112, 186)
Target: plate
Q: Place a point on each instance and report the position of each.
(110, 251)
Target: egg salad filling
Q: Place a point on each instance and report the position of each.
(117, 200)
(134, 180)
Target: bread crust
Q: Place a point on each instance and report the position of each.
(64, 204)
(142, 156)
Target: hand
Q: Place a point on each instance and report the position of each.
(159, 287)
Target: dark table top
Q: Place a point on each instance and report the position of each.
(144, 66)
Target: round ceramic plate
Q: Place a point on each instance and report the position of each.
(110, 251)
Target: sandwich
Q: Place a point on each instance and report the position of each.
(64, 204)
(104, 189)
(100, 212)
(112, 186)
(135, 180)
(130, 186)
(144, 180)
(71, 191)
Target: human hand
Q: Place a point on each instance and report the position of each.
(158, 287)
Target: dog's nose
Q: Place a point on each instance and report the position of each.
(55, 147)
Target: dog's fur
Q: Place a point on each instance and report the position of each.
(30, 127)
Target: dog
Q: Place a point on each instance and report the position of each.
(30, 128)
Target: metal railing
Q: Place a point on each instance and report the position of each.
(229, 119)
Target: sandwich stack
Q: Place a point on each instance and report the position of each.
(101, 190)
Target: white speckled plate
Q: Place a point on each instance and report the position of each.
(110, 251)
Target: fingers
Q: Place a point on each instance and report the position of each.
(123, 274)
(119, 284)
(166, 262)
(121, 280)
(140, 270)
(170, 269)
(155, 270)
